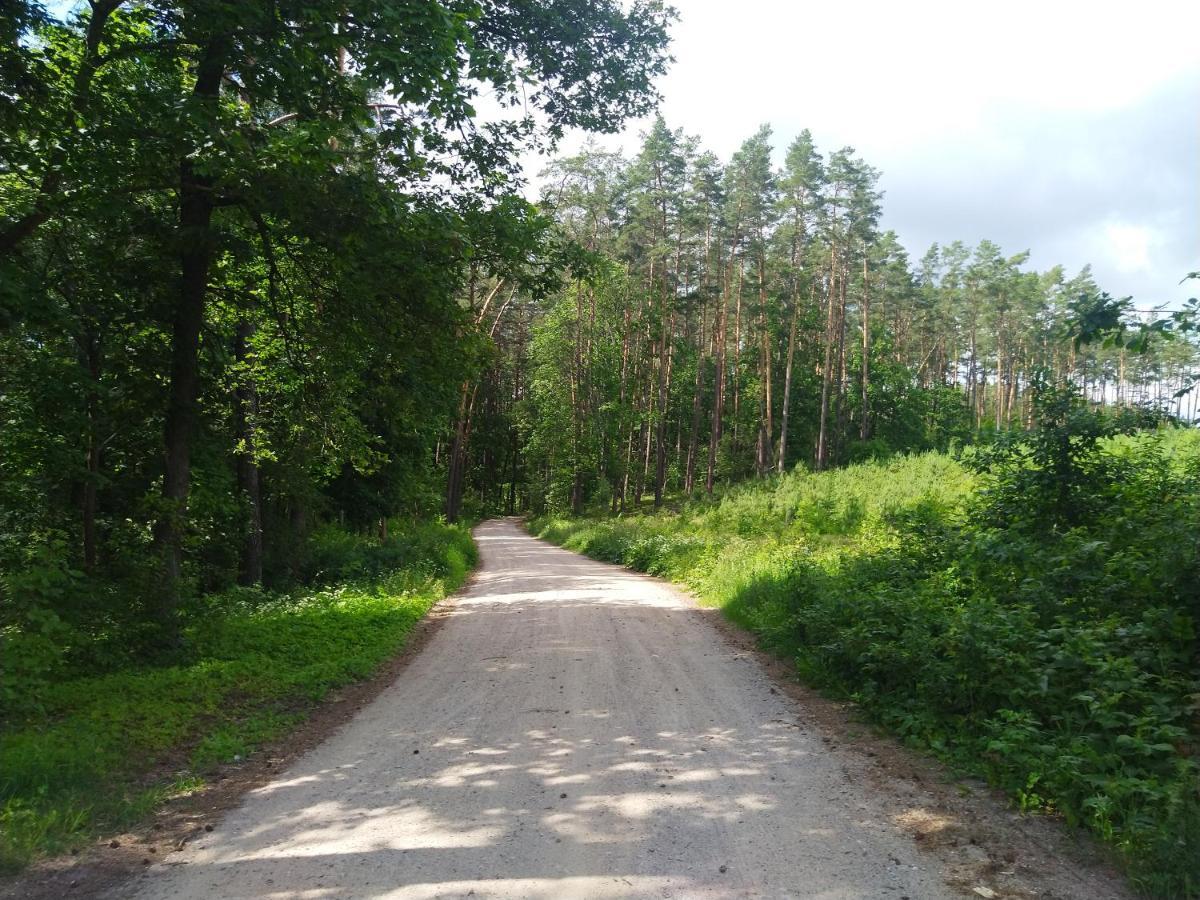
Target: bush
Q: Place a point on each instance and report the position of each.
(70, 764)
(1046, 641)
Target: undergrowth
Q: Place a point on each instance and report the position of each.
(85, 753)
(1049, 649)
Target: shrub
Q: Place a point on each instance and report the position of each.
(1044, 640)
(70, 764)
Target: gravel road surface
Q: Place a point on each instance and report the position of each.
(572, 730)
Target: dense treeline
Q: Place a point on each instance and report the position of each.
(261, 270)
(738, 319)
(247, 252)
(241, 248)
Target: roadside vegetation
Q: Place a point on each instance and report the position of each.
(1026, 610)
(94, 740)
(246, 253)
(272, 295)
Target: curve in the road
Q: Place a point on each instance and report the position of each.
(573, 730)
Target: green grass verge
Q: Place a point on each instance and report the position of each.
(258, 664)
(1060, 666)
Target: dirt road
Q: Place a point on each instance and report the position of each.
(572, 730)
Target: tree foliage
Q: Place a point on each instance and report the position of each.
(240, 247)
(744, 318)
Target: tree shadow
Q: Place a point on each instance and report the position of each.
(572, 731)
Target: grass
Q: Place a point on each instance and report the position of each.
(1059, 664)
(257, 665)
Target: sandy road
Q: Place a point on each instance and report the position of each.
(572, 730)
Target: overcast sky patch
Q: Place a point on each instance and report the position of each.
(1069, 129)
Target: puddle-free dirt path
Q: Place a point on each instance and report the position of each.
(572, 730)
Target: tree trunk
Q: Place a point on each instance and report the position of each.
(864, 430)
(840, 403)
(196, 250)
(664, 388)
(689, 481)
(767, 419)
(714, 439)
(785, 415)
(510, 506)
(822, 455)
(248, 476)
(457, 464)
(737, 357)
(576, 402)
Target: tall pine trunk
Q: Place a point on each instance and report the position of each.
(714, 438)
(822, 455)
(785, 414)
(737, 356)
(666, 356)
(864, 430)
(840, 400)
(766, 430)
(689, 481)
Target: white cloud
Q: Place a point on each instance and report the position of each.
(1129, 246)
(1040, 124)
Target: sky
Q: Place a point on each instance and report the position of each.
(1068, 129)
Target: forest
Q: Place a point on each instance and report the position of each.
(280, 320)
(737, 320)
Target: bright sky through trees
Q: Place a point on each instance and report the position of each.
(1069, 128)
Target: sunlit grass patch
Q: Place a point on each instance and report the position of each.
(257, 663)
(1060, 663)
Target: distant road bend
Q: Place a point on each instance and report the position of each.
(572, 730)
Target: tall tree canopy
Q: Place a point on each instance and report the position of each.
(242, 246)
(267, 265)
(739, 319)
